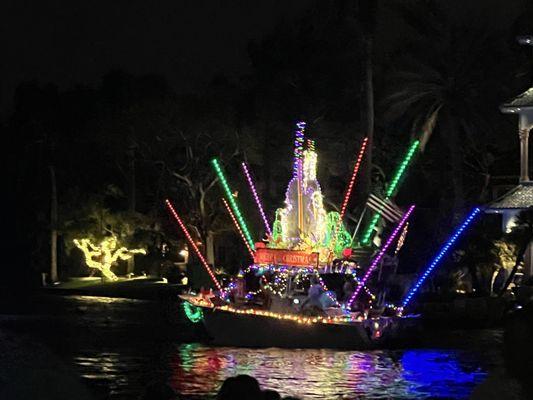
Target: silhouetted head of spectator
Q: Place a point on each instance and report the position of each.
(518, 353)
(242, 387)
(158, 391)
(271, 395)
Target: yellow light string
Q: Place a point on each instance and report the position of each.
(193, 244)
(107, 252)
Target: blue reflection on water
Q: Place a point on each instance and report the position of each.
(441, 374)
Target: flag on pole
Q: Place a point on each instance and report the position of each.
(385, 207)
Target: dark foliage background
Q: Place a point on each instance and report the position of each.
(121, 147)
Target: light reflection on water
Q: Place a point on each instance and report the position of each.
(118, 347)
(329, 374)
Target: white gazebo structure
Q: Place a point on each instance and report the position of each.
(520, 197)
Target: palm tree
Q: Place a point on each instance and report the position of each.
(53, 225)
(446, 81)
(366, 14)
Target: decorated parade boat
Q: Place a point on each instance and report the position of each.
(310, 282)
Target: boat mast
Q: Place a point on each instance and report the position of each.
(298, 172)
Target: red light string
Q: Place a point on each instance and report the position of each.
(350, 188)
(228, 208)
(354, 176)
(191, 242)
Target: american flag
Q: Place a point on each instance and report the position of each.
(385, 207)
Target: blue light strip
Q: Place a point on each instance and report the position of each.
(441, 254)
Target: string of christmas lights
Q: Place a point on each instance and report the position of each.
(298, 318)
(238, 228)
(193, 244)
(401, 239)
(103, 256)
(279, 286)
(233, 202)
(390, 190)
(350, 187)
(326, 290)
(192, 312)
(440, 255)
(380, 255)
(365, 288)
(298, 149)
(256, 198)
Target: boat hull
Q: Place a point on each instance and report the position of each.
(245, 330)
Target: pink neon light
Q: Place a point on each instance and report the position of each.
(380, 255)
(256, 198)
(238, 227)
(191, 242)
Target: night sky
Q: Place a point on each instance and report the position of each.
(72, 42)
(69, 42)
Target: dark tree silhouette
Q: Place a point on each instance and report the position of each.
(445, 82)
(522, 235)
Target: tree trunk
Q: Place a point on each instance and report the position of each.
(210, 248)
(519, 258)
(366, 12)
(450, 131)
(367, 107)
(131, 193)
(53, 225)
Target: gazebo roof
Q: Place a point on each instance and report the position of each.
(524, 100)
(520, 197)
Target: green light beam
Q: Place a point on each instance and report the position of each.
(233, 203)
(391, 190)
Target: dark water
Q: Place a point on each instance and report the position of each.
(118, 346)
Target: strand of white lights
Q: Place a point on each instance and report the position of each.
(293, 317)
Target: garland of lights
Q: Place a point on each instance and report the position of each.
(299, 278)
(193, 244)
(256, 198)
(310, 159)
(238, 227)
(226, 291)
(380, 255)
(233, 202)
(440, 255)
(251, 294)
(293, 317)
(401, 239)
(337, 238)
(326, 290)
(192, 312)
(390, 190)
(279, 286)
